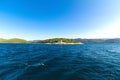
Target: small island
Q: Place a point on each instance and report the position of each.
(59, 41)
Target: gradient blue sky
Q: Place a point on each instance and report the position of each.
(42, 19)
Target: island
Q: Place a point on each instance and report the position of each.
(58, 41)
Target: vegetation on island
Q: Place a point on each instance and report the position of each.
(13, 40)
(57, 40)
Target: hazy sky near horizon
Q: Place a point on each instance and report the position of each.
(42, 19)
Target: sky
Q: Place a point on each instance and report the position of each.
(43, 19)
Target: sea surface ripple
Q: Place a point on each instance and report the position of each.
(59, 62)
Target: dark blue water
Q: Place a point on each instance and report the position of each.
(59, 62)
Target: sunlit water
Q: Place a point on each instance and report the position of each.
(59, 62)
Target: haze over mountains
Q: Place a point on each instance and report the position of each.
(113, 40)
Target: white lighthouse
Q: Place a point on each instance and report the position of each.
(61, 41)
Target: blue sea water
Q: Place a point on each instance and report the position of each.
(59, 62)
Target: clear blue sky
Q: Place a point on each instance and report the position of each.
(42, 19)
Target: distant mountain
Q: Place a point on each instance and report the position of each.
(13, 40)
(115, 40)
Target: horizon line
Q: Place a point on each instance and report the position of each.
(60, 37)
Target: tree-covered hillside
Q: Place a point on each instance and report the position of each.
(57, 40)
(13, 40)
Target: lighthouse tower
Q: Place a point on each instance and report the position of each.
(61, 41)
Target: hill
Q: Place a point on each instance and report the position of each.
(13, 40)
(2, 40)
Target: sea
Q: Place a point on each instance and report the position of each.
(60, 62)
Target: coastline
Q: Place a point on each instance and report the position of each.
(42, 43)
(63, 43)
